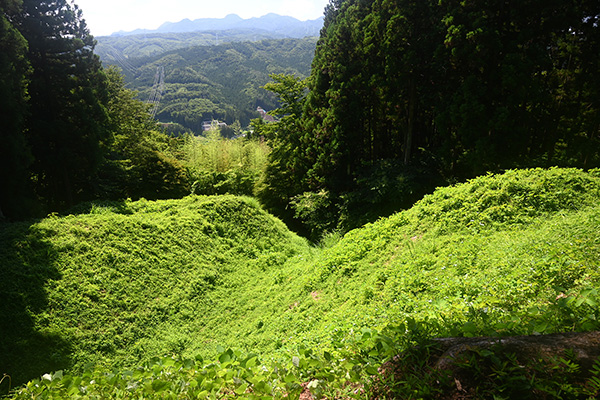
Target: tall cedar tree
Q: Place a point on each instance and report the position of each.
(461, 87)
(15, 156)
(67, 119)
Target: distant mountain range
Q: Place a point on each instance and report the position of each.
(121, 47)
(281, 26)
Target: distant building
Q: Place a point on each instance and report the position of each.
(263, 114)
(206, 125)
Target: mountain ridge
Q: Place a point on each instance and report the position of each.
(285, 25)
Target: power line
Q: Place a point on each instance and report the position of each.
(157, 89)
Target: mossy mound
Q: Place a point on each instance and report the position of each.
(119, 283)
(126, 281)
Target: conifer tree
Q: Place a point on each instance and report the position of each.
(413, 90)
(66, 123)
(15, 156)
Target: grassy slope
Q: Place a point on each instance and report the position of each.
(495, 255)
(513, 253)
(493, 247)
(130, 281)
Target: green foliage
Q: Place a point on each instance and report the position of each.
(66, 123)
(515, 197)
(139, 162)
(285, 173)
(381, 190)
(220, 166)
(447, 91)
(232, 376)
(16, 154)
(493, 372)
(316, 211)
(121, 282)
(126, 281)
(73, 132)
(118, 50)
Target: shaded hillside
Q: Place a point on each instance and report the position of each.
(506, 254)
(219, 82)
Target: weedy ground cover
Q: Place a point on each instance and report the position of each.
(126, 281)
(516, 253)
(222, 166)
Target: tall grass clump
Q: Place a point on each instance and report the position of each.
(224, 166)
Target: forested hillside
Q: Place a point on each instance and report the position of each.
(404, 95)
(221, 82)
(215, 68)
(119, 50)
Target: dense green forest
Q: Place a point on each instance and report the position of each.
(71, 131)
(131, 269)
(405, 95)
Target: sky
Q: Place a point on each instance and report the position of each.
(104, 17)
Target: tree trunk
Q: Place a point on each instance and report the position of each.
(464, 368)
(411, 122)
(586, 347)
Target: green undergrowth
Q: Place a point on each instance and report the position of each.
(243, 308)
(493, 253)
(125, 282)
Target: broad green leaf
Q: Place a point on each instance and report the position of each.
(224, 358)
(251, 362)
(241, 389)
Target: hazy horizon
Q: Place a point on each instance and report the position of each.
(110, 16)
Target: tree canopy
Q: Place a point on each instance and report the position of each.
(407, 94)
(67, 122)
(71, 131)
(482, 85)
(15, 153)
